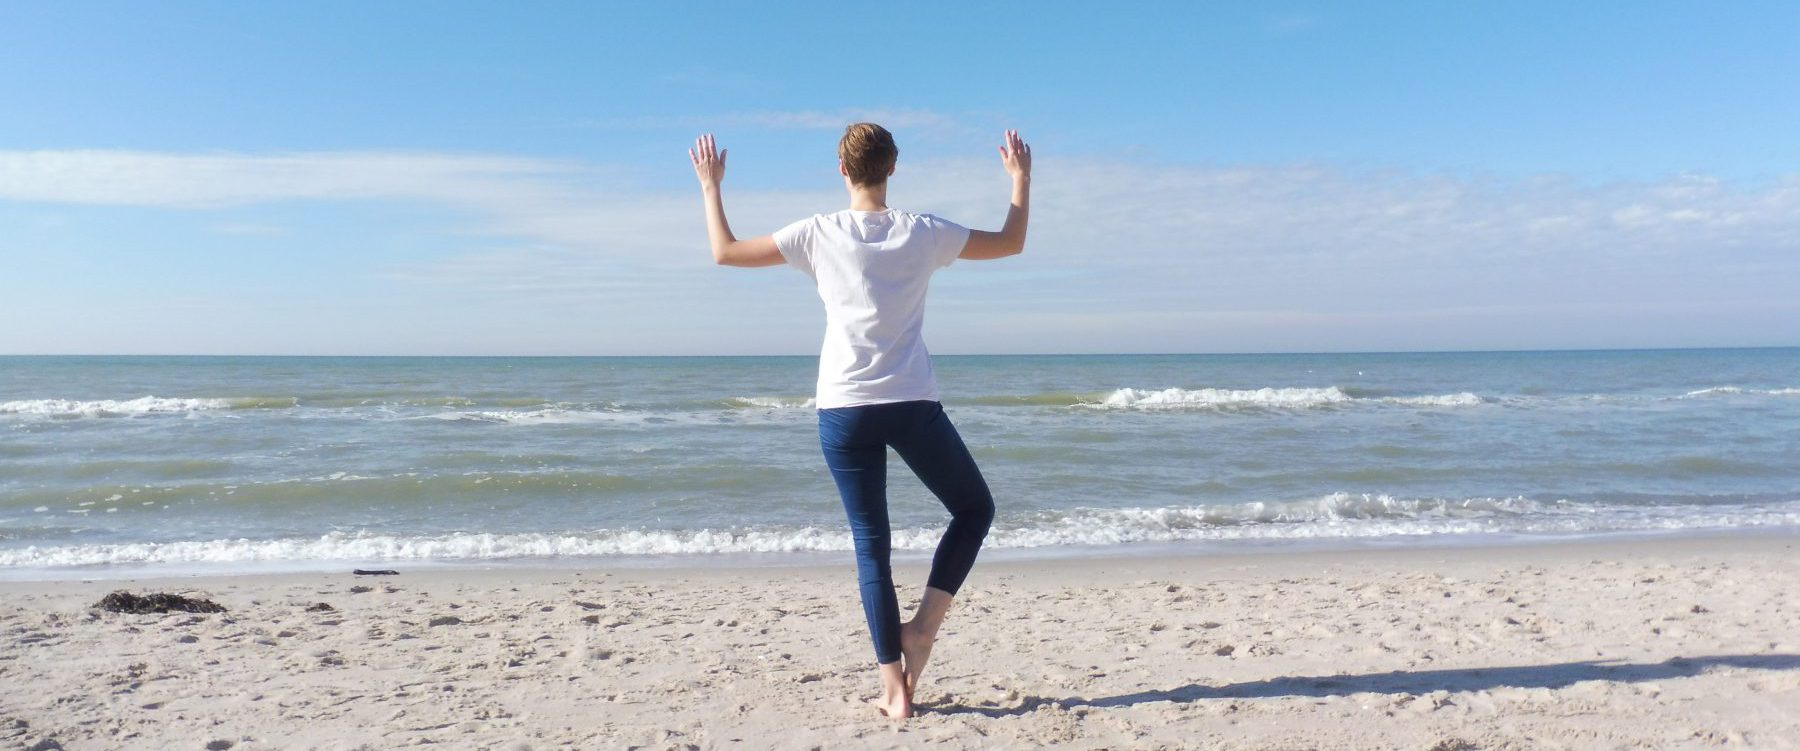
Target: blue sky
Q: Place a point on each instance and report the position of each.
(459, 178)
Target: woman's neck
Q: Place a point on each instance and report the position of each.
(868, 197)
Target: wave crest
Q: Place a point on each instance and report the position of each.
(771, 402)
(147, 405)
(1334, 516)
(1225, 398)
(545, 416)
(1267, 398)
(1739, 390)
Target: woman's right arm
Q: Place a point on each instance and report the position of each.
(1010, 240)
(727, 250)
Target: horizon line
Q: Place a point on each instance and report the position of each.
(956, 354)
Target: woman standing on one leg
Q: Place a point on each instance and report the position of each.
(876, 389)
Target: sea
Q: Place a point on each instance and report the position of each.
(125, 466)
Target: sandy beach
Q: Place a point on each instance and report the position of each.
(1661, 643)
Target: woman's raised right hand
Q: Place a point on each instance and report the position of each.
(709, 161)
(1015, 154)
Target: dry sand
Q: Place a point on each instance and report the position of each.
(1672, 643)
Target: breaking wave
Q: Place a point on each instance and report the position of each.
(1335, 516)
(545, 416)
(1738, 390)
(1267, 398)
(147, 405)
(539, 411)
(771, 402)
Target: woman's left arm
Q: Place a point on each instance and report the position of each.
(727, 250)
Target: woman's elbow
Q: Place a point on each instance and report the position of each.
(1017, 244)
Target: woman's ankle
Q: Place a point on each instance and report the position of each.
(893, 680)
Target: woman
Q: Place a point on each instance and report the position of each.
(876, 389)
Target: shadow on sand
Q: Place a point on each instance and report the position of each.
(1404, 681)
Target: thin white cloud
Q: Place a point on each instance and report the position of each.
(1083, 208)
(896, 118)
(821, 120)
(137, 178)
(248, 229)
(1110, 240)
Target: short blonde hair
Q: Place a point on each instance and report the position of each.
(868, 153)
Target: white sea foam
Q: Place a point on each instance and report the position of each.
(772, 402)
(1739, 390)
(146, 405)
(1463, 399)
(1336, 516)
(1715, 390)
(466, 546)
(1225, 398)
(109, 407)
(576, 415)
(546, 416)
(1269, 398)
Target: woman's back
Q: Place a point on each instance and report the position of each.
(872, 269)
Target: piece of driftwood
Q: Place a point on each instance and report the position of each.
(160, 602)
(375, 572)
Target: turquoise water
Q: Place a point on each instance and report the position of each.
(107, 461)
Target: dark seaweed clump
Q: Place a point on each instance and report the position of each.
(161, 602)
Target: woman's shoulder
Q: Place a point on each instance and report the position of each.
(928, 220)
(915, 217)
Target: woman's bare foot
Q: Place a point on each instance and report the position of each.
(915, 650)
(896, 698)
(919, 634)
(893, 709)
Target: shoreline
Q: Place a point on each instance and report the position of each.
(1679, 642)
(804, 560)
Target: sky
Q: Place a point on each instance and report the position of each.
(448, 178)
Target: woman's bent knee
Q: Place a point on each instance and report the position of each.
(978, 513)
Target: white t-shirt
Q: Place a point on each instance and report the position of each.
(872, 270)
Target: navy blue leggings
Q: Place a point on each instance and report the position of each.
(856, 440)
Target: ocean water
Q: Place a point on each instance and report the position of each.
(115, 463)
